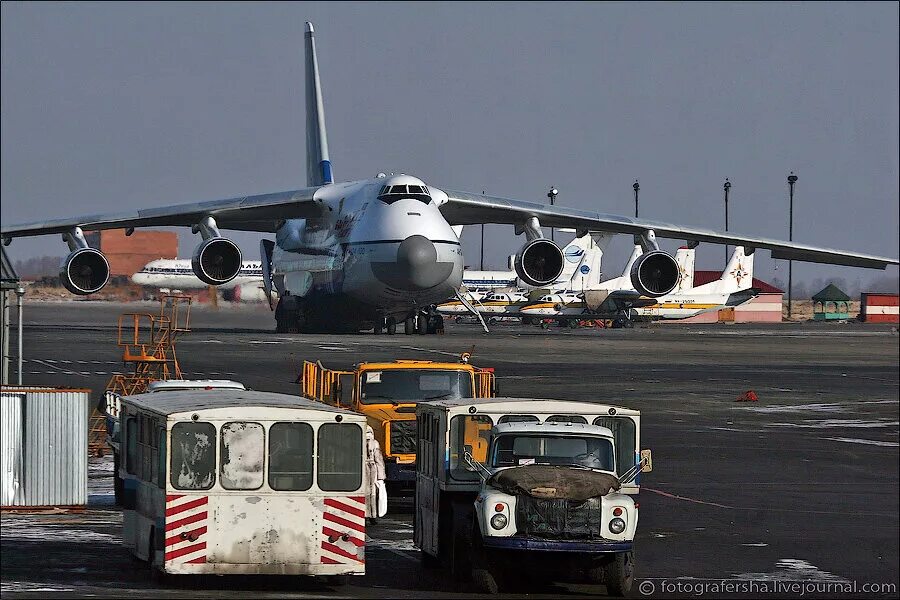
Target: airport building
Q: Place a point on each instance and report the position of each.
(879, 308)
(765, 307)
(128, 254)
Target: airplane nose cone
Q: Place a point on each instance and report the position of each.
(417, 258)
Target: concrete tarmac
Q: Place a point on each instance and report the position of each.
(798, 489)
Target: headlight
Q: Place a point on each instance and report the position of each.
(499, 521)
(617, 525)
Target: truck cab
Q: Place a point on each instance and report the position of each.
(543, 487)
(387, 394)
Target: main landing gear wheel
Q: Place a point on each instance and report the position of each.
(391, 326)
(289, 317)
(421, 324)
(409, 325)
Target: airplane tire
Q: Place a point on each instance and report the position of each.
(421, 324)
(379, 328)
(391, 326)
(409, 326)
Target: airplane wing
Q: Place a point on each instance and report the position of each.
(247, 213)
(463, 208)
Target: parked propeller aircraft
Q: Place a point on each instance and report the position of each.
(609, 300)
(363, 254)
(581, 270)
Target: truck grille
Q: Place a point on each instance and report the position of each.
(403, 437)
(559, 518)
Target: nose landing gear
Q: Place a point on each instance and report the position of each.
(424, 322)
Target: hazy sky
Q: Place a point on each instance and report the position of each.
(112, 106)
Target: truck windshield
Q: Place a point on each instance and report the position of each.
(414, 385)
(513, 450)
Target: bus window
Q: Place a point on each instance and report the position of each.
(193, 455)
(518, 419)
(161, 463)
(339, 464)
(473, 431)
(290, 456)
(566, 419)
(131, 445)
(242, 449)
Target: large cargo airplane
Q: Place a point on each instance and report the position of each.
(370, 253)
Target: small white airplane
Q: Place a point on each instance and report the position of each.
(616, 297)
(582, 267)
(734, 287)
(369, 253)
(177, 274)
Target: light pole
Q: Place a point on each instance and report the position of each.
(727, 189)
(792, 179)
(482, 241)
(552, 194)
(20, 291)
(637, 188)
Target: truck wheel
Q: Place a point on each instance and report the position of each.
(620, 574)
(484, 580)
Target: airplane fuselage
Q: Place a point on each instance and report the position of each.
(380, 246)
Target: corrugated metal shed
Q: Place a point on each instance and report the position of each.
(44, 446)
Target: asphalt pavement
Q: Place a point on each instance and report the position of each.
(799, 489)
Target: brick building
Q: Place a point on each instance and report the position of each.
(128, 254)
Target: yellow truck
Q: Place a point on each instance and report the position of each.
(387, 394)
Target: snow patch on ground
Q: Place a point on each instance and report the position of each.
(793, 569)
(860, 441)
(27, 586)
(837, 423)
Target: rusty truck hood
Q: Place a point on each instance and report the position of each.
(554, 482)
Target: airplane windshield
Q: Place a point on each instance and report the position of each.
(391, 193)
(414, 385)
(512, 450)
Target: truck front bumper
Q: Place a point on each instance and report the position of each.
(541, 545)
(397, 472)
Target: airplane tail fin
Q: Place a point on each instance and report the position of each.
(583, 256)
(635, 254)
(738, 274)
(685, 259)
(318, 165)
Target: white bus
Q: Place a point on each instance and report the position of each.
(234, 481)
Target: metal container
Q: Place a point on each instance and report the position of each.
(44, 446)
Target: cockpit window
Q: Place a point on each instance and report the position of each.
(391, 193)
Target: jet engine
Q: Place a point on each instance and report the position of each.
(539, 262)
(216, 261)
(655, 274)
(84, 271)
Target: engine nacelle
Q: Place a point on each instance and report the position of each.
(85, 271)
(539, 262)
(655, 274)
(216, 261)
